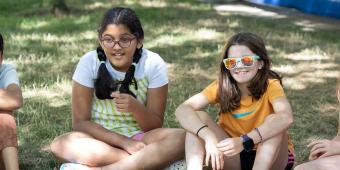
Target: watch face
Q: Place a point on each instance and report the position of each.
(248, 143)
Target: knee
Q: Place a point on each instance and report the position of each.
(269, 117)
(299, 167)
(56, 145)
(179, 134)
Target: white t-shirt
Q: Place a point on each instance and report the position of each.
(151, 72)
(8, 76)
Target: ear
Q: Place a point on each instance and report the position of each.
(261, 65)
(140, 43)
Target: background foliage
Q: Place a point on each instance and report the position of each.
(189, 36)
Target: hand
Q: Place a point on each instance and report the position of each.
(124, 102)
(230, 146)
(132, 146)
(217, 160)
(323, 148)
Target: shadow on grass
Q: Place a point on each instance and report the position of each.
(46, 50)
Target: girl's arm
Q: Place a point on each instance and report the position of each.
(148, 117)
(189, 120)
(10, 98)
(81, 117)
(275, 123)
(186, 113)
(151, 116)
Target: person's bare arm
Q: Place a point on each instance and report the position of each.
(11, 98)
(81, 117)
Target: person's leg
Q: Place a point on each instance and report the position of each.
(78, 147)
(272, 153)
(8, 141)
(164, 145)
(195, 151)
(10, 158)
(331, 162)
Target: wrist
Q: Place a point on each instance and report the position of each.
(248, 143)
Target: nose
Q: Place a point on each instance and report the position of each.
(238, 64)
(116, 44)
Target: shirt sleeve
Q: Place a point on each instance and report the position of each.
(275, 90)
(211, 92)
(8, 76)
(158, 75)
(85, 72)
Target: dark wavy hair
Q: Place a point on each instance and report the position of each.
(104, 83)
(229, 95)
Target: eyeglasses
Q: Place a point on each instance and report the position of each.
(247, 61)
(123, 42)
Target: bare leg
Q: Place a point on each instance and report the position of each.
(10, 158)
(9, 152)
(81, 148)
(164, 145)
(272, 153)
(331, 162)
(195, 150)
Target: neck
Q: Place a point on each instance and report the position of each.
(244, 89)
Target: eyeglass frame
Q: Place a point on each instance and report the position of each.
(117, 42)
(239, 59)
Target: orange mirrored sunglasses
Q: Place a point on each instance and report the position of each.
(247, 61)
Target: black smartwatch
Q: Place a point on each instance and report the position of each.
(248, 143)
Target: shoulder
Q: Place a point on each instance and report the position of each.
(89, 57)
(4, 67)
(7, 69)
(274, 83)
(151, 57)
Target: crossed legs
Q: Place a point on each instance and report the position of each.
(163, 146)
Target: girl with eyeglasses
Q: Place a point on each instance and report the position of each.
(119, 96)
(324, 153)
(10, 100)
(251, 132)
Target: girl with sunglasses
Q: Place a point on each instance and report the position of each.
(251, 132)
(119, 95)
(10, 100)
(324, 153)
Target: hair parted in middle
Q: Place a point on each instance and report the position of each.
(104, 84)
(229, 95)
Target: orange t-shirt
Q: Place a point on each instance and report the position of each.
(251, 113)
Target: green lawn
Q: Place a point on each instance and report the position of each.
(188, 35)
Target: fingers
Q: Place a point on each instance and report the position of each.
(313, 143)
(213, 162)
(221, 161)
(316, 153)
(325, 155)
(207, 158)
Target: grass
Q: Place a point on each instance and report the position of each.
(188, 35)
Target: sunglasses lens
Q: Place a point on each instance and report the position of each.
(247, 60)
(230, 63)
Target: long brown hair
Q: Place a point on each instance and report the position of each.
(229, 95)
(338, 90)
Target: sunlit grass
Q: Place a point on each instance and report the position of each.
(189, 35)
